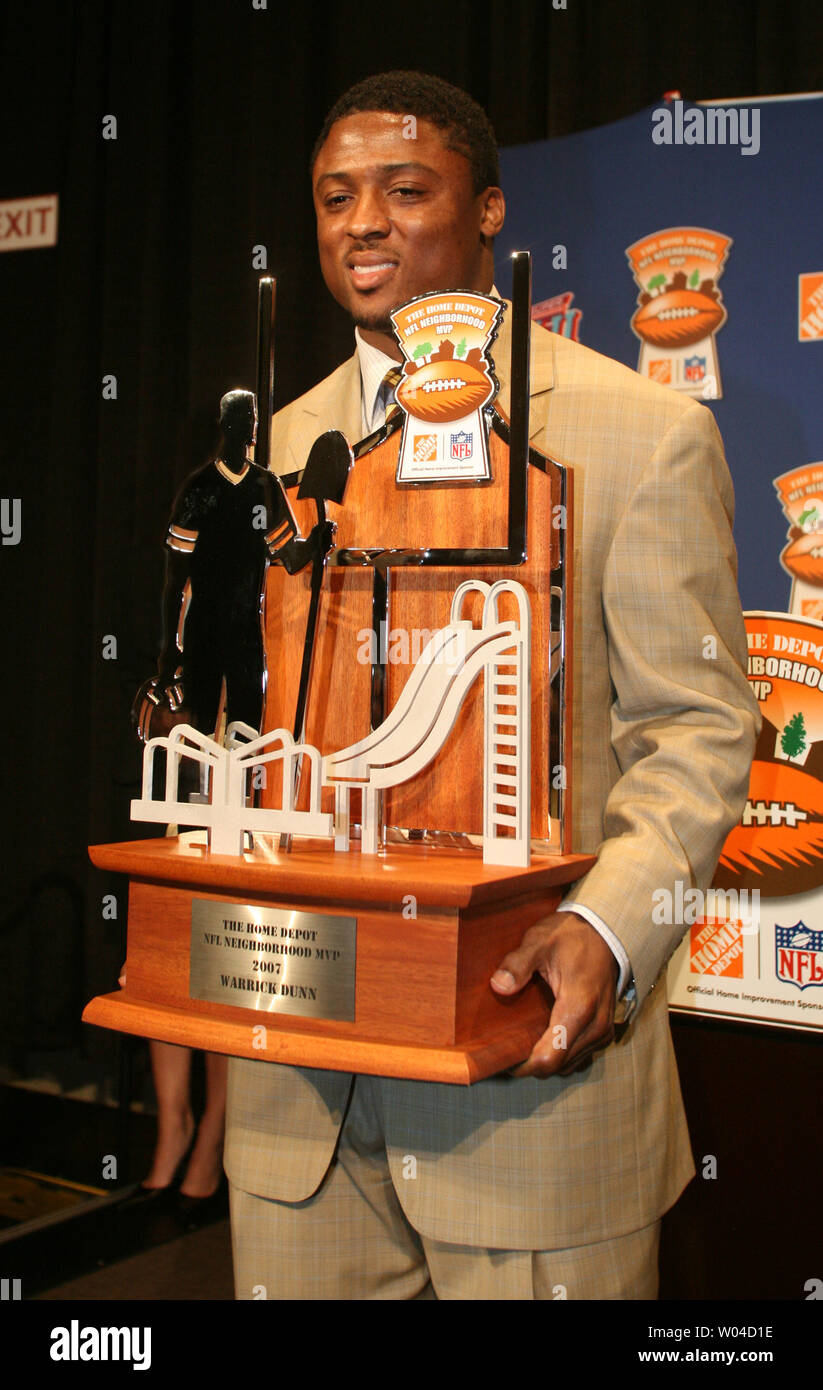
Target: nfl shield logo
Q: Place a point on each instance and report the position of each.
(461, 445)
(798, 955)
(695, 368)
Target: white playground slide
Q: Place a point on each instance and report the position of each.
(424, 714)
(404, 744)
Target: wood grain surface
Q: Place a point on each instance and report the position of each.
(447, 796)
(423, 1004)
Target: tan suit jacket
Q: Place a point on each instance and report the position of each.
(664, 730)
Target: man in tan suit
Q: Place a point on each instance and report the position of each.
(549, 1183)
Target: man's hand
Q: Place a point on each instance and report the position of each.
(582, 973)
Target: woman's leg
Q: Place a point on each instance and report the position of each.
(171, 1069)
(206, 1163)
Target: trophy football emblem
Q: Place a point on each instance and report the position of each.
(448, 378)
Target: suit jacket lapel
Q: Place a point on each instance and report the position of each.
(542, 374)
(338, 399)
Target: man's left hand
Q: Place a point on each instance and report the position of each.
(582, 972)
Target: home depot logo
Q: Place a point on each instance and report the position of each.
(425, 447)
(717, 948)
(810, 306)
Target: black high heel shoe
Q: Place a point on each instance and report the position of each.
(177, 1177)
(197, 1211)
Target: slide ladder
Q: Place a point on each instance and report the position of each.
(507, 759)
(417, 727)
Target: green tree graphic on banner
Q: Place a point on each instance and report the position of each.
(793, 740)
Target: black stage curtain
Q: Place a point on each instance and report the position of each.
(217, 108)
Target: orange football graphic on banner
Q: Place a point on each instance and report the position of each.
(779, 846)
(678, 318)
(803, 558)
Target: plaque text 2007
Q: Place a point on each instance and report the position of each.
(273, 959)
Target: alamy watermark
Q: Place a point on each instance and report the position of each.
(10, 520)
(400, 646)
(88, 1343)
(672, 124)
(685, 906)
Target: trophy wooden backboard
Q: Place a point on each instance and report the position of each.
(377, 608)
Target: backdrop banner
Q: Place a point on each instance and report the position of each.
(679, 242)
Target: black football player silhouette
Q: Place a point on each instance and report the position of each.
(230, 519)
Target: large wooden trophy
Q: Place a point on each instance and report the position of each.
(364, 864)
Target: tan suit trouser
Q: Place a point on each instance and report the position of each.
(351, 1240)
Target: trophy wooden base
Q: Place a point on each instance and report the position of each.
(432, 926)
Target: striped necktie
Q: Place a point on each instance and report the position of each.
(388, 386)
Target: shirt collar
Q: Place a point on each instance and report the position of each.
(373, 367)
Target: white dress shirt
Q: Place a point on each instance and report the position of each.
(373, 367)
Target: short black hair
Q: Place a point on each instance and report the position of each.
(467, 129)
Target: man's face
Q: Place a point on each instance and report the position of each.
(397, 216)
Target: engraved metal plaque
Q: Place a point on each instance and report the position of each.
(273, 960)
